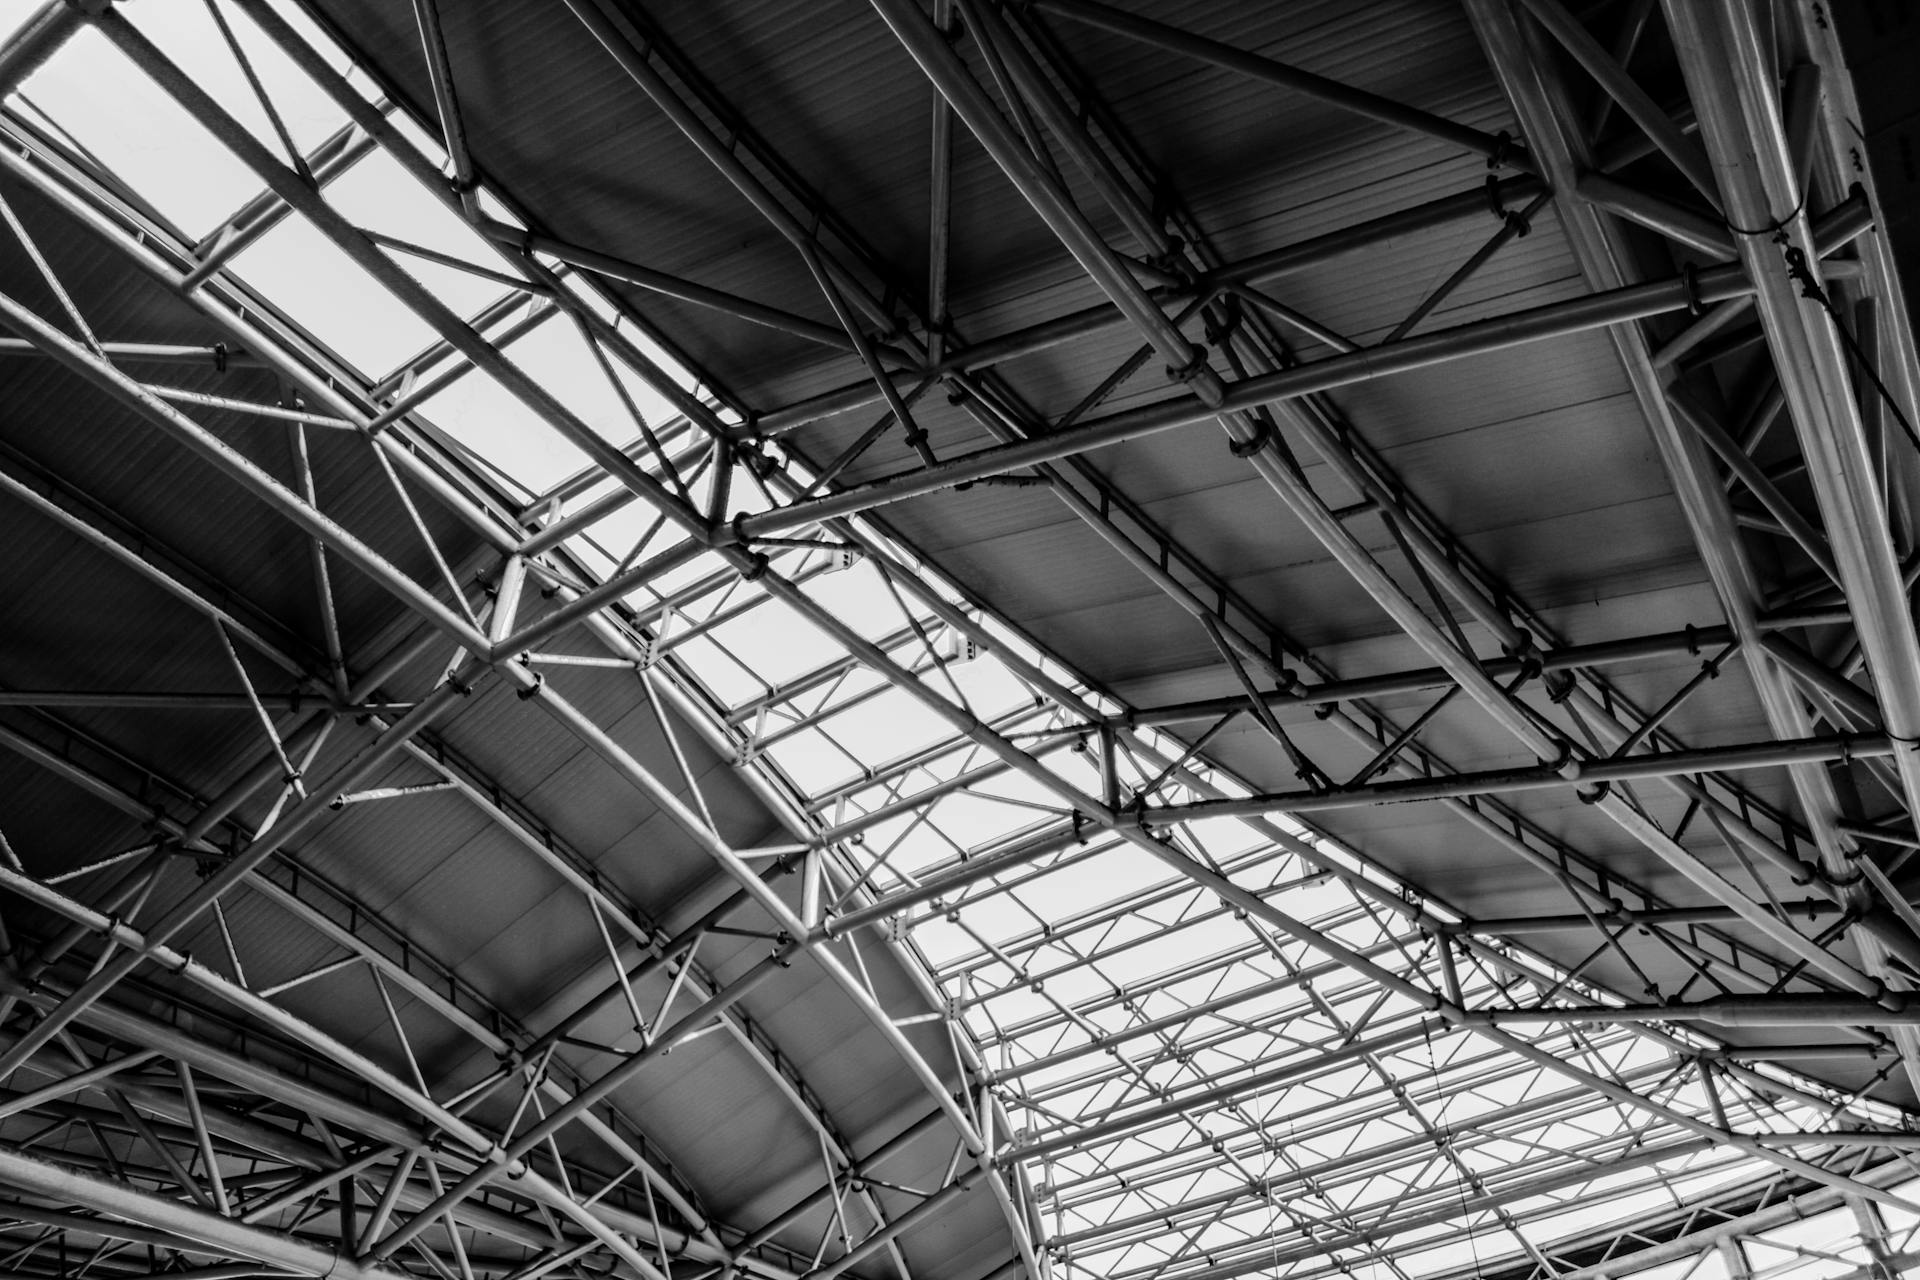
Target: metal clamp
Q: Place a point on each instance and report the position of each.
(1262, 437)
(1513, 218)
(1193, 368)
(1502, 153)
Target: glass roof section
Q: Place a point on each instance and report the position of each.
(1199, 1084)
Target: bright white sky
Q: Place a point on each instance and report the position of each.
(1034, 960)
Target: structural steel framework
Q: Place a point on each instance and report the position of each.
(1158, 1017)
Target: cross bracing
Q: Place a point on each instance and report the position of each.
(544, 751)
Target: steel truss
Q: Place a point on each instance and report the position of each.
(1136, 1106)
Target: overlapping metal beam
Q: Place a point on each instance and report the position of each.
(320, 526)
(816, 934)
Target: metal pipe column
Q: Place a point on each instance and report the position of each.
(1727, 55)
(1547, 118)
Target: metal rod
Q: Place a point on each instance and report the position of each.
(1672, 644)
(1551, 320)
(1683, 151)
(1660, 764)
(1271, 265)
(37, 39)
(187, 1223)
(1370, 105)
(366, 765)
(308, 202)
(452, 129)
(1691, 229)
(675, 287)
(1725, 1011)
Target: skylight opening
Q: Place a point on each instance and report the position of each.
(811, 759)
(484, 416)
(133, 128)
(1901, 1225)
(204, 47)
(727, 680)
(860, 595)
(896, 717)
(382, 198)
(593, 297)
(558, 358)
(707, 566)
(619, 538)
(777, 643)
(1823, 1247)
(1491, 1242)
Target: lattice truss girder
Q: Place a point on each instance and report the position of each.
(1256, 1051)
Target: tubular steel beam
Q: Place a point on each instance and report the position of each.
(37, 39)
(1723, 1011)
(308, 202)
(604, 1222)
(189, 1225)
(704, 1247)
(1370, 105)
(1272, 265)
(1661, 129)
(296, 822)
(1795, 1208)
(672, 286)
(1661, 764)
(1188, 365)
(784, 591)
(637, 61)
(512, 645)
(1502, 926)
(941, 66)
(1547, 115)
(1724, 49)
(1550, 320)
(1564, 658)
